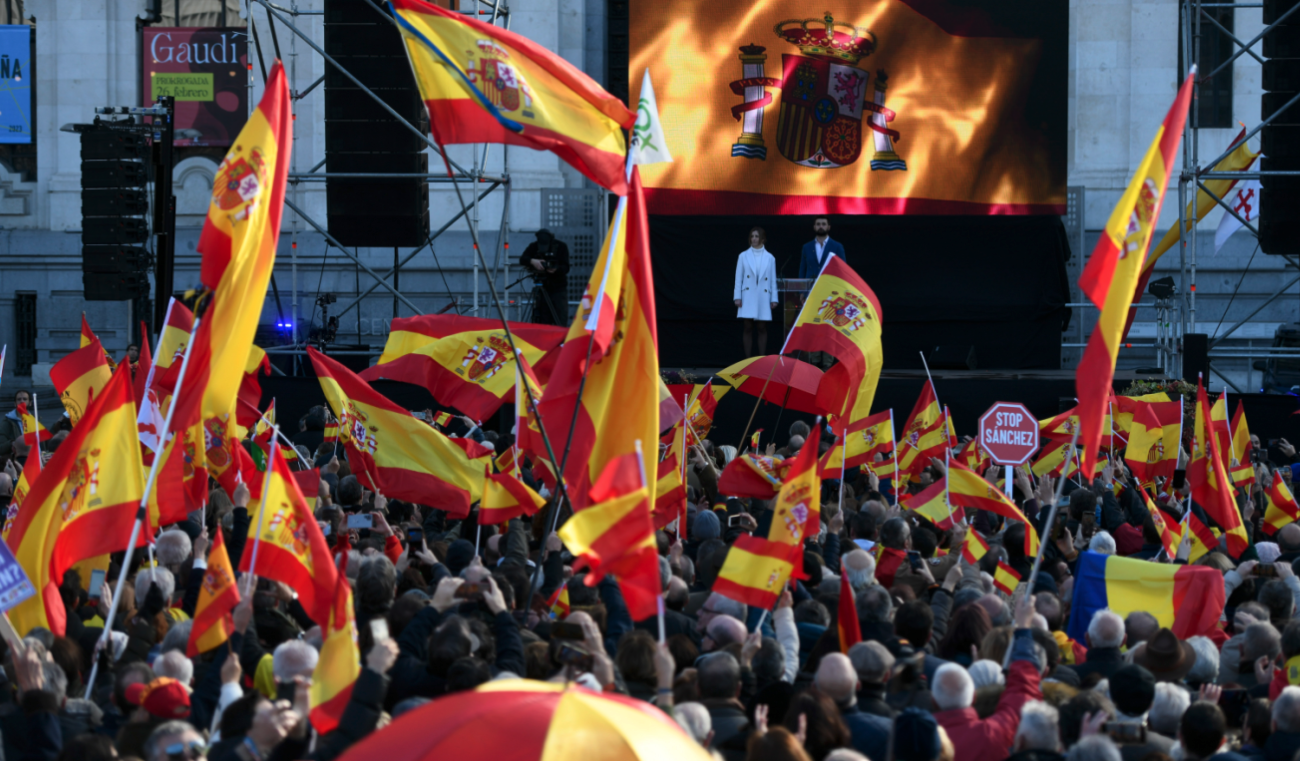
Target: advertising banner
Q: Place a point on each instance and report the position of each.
(206, 70)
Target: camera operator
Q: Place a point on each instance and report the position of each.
(547, 260)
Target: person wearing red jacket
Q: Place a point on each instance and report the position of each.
(953, 693)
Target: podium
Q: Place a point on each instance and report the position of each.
(791, 293)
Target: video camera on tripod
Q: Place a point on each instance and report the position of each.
(545, 252)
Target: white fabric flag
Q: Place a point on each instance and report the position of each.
(1244, 199)
(648, 132)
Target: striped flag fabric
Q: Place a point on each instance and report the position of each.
(862, 440)
(33, 431)
(1208, 478)
(506, 497)
(923, 434)
(340, 661)
(974, 547)
(1185, 598)
(755, 571)
(797, 512)
(217, 598)
(1282, 508)
(752, 475)
(1111, 275)
(932, 504)
(558, 603)
(1005, 578)
(1168, 539)
(968, 489)
(31, 471)
(79, 377)
(846, 623)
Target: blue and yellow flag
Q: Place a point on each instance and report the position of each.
(483, 84)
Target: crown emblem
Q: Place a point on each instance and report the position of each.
(828, 39)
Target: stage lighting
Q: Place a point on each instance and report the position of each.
(1162, 288)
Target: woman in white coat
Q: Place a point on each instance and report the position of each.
(755, 294)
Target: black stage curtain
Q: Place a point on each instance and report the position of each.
(997, 283)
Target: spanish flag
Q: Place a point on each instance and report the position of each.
(1242, 447)
(1168, 539)
(238, 245)
(464, 362)
(923, 435)
(1282, 508)
(441, 419)
(143, 371)
(1110, 278)
(841, 317)
(973, 456)
(932, 504)
(1052, 457)
(1185, 598)
(846, 620)
(506, 497)
(81, 505)
(754, 439)
(670, 494)
(614, 534)
(395, 454)
(1222, 430)
(484, 84)
(1239, 160)
(702, 404)
(1204, 539)
(79, 377)
(217, 598)
(1005, 578)
(88, 337)
(558, 603)
(175, 335)
(289, 545)
(1125, 406)
(1211, 488)
(1154, 439)
(967, 489)
(31, 471)
(340, 661)
(862, 440)
(613, 344)
(974, 547)
(754, 476)
(250, 390)
(755, 571)
(33, 431)
(797, 512)
(507, 462)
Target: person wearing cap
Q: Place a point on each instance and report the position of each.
(953, 692)
(1133, 690)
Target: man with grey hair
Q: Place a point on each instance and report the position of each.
(694, 720)
(953, 692)
(837, 679)
(1105, 637)
(1206, 668)
(172, 740)
(291, 659)
(1285, 738)
(874, 665)
(1094, 748)
(874, 610)
(174, 664)
(1103, 543)
(861, 568)
(1167, 709)
(1260, 640)
(1038, 737)
(173, 548)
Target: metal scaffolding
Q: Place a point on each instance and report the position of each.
(494, 12)
(1192, 18)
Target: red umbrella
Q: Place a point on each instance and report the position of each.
(788, 382)
(526, 720)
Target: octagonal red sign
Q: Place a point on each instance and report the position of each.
(1009, 433)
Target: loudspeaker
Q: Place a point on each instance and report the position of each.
(1279, 225)
(114, 171)
(1196, 356)
(953, 357)
(362, 137)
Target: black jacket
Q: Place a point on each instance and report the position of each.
(731, 727)
(1102, 661)
(359, 719)
(31, 732)
(1281, 746)
(1036, 755)
(557, 281)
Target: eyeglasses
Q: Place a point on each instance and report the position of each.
(191, 751)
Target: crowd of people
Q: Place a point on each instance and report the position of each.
(948, 668)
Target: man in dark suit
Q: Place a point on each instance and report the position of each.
(816, 251)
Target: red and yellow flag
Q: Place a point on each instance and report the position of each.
(968, 489)
(88, 337)
(847, 619)
(754, 476)
(217, 598)
(464, 362)
(506, 497)
(923, 434)
(755, 571)
(797, 512)
(79, 377)
(842, 317)
(1211, 488)
(1005, 578)
(81, 505)
(33, 431)
(558, 603)
(289, 545)
(974, 547)
(616, 324)
(1154, 438)
(484, 84)
(31, 471)
(932, 504)
(238, 245)
(1282, 508)
(862, 440)
(1168, 539)
(1242, 447)
(1239, 160)
(670, 493)
(340, 661)
(1112, 273)
(395, 454)
(614, 534)
(701, 404)
(1204, 539)
(1222, 430)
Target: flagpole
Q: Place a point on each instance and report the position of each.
(844, 456)
(141, 513)
(947, 462)
(640, 460)
(757, 402)
(930, 378)
(36, 422)
(261, 517)
(478, 536)
(681, 527)
(893, 440)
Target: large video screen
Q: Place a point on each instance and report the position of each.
(864, 107)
